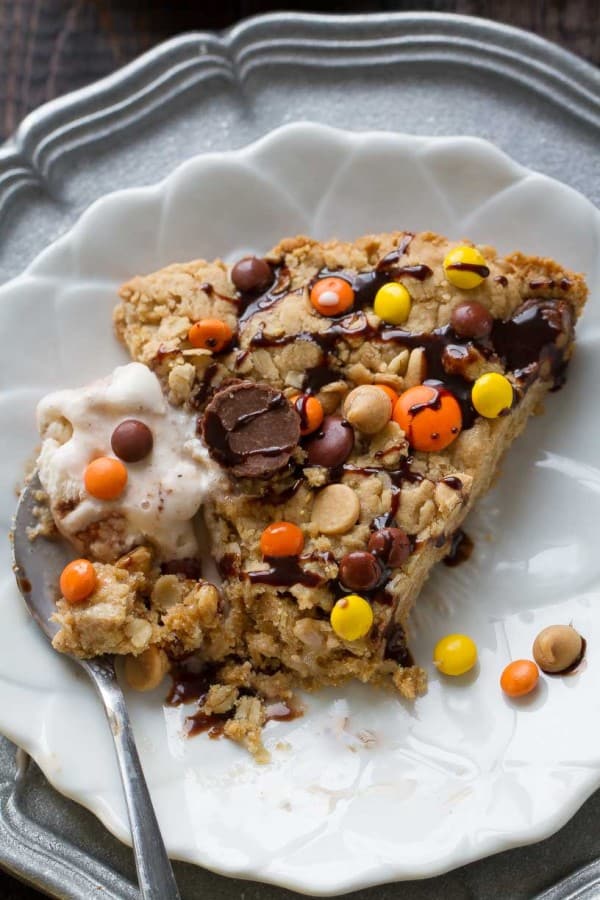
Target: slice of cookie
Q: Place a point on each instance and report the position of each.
(410, 362)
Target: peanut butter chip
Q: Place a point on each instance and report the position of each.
(146, 671)
(368, 408)
(336, 509)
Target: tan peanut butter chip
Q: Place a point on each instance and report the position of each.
(336, 509)
(146, 671)
(368, 408)
(557, 649)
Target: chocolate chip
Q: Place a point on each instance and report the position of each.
(132, 440)
(187, 566)
(252, 275)
(472, 320)
(391, 545)
(251, 429)
(332, 444)
(359, 571)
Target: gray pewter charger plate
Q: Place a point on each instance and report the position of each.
(424, 74)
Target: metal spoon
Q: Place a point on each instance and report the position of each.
(37, 566)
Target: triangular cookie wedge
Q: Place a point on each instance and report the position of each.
(377, 491)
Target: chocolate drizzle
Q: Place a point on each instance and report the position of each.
(252, 303)
(478, 269)
(204, 391)
(532, 335)
(452, 482)
(396, 648)
(397, 476)
(188, 685)
(228, 565)
(214, 723)
(285, 571)
(391, 258)
(318, 377)
(461, 547)
(301, 407)
(275, 496)
(187, 567)
(210, 289)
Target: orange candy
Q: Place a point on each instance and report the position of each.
(389, 391)
(105, 478)
(210, 334)
(310, 411)
(519, 677)
(281, 539)
(331, 296)
(429, 416)
(78, 580)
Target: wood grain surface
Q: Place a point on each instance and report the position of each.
(49, 47)
(53, 46)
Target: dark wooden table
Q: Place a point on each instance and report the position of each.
(49, 47)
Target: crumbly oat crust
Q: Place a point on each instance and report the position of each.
(135, 607)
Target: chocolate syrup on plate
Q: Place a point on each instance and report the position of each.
(461, 548)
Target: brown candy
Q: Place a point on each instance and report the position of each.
(472, 320)
(391, 545)
(251, 429)
(558, 648)
(359, 571)
(252, 275)
(332, 444)
(131, 441)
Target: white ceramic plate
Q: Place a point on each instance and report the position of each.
(363, 789)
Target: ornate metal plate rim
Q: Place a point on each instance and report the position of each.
(121, 99)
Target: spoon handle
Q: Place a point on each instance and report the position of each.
(155, 875)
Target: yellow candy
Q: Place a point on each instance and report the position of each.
(465, 268)
(455, 654)
(392, 303)
(491, 394)
(351, 617)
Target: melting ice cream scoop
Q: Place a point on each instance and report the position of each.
(165, 487)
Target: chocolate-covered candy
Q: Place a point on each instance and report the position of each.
(359, 571)
(251, 429)
(331, 445)
(252, 275)
(391, 545)
(472, 320)
(132, 440)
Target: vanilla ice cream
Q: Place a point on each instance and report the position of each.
(164, 491)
